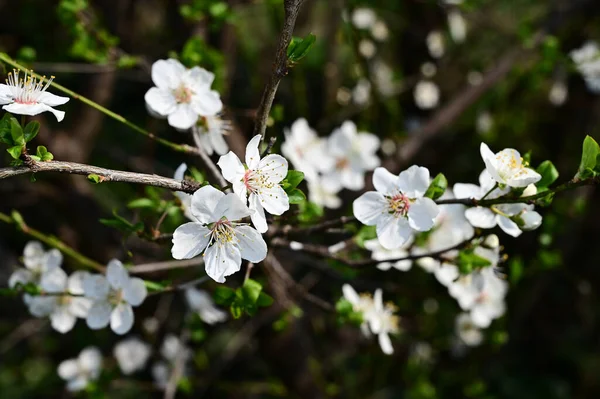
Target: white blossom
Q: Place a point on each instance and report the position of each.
(259, 183)
(367, 48)
(362, 304)
(354, 154)
(200, 302)
(324, 192)
(457, 26)
(558, 93)
(436, 44)
(484, 122)
(184, 198)
(132, 354)
(28, 95)
(114, 295)
(467, 332)
(81, 371)
(379, 31)
(37, 262)
(363, 18)
(505, 216)
(383, 322)
(379, 253)
(426, 94)
(182, 95)
(209, 131)
(587, 61)
(218, 235)
(171, 349)
(398, 207)
(361, 94)
(66, 302)
(506, 167)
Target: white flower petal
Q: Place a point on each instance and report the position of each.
(134, 292)
(204, 203)
(207, 103)
(96, 286)
(275, 200)
(414, 181)
(524, 177)
(252, 246)
(90, 360)
(274, 166)
(62, 320)
(54, 281)
(422, 214)
(180, 172)
(116, 274)
(33, 255)
(80, 307)
(189, 240)
(40, 306)
(52, 99)
(446, 274)
(99, 315)
(467, 190)
(68, 369)
(384, 181)
(33, 109)
(353, 178)
(183, 117)
(258, 214)
(231, 167)
(481, 217)
(160, 101)
(218, 141)
(221, 261)
(532, 220)
(121, 319)
(75, 283)
(232, 208)
(350, 294)
(20, 276)
(252, 152)
(385, 343)
(370, 207)
(508, 226)
(393, 232)
(167, 74)
(491, 164)
(53, 259)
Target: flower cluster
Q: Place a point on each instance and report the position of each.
(587, 62)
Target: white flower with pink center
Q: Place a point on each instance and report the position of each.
(507, 167)
(398, 207)
(28, 95)
(258, 182)
(182, 95)
(217, 234)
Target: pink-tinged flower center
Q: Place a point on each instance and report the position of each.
(26, 90)
(342, 163)
(183, 94)
(222, 232)
(399, 204)
(255, 180)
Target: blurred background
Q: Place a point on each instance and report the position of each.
(432, 79)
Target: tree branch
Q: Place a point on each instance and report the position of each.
(280, 67)
(105, 175)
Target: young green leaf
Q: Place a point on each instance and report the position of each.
(16, 132)
(141, 203)
(264, 300)
(549, 174)
(296, 196)
(31, 130)
(437, 187)
(251, 291)
(43, 154)
(15, 151)
(300, 47)
(293, 178)
(365, 233)
(588, 157)
(223, 295)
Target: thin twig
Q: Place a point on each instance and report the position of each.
(168, 265)
(280, 67)
(207, 161)
(104, 175)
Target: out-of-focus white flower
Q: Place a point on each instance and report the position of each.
(506, 167)
(306, 150)
(354, 154)
(81, 371)
(114, 296)
(436, 44)
(132, 354)
(428, 69)
(587, 61)
(28, 95)
(503, 215)
(422, 352)
(361, 94)
(209, 131)
(466, 331)
(379, 31)
(185, 198)
(426, 94)
(66, 302)
(380, 253)
(558, 93)
(398, 207)
(200, 302)
(259, 184)
(457, 26)
(182, 95)
(343, 96)
(37, 262)
(474, 78)
(171, 349)
(363, 17)
(484, 122)
(367, 48)
(218, 234)
(383, 77)
(383, 322)
(324, 192)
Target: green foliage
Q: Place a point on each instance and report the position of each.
(42, 154)
(309, 212)
(296, 196)
(468, 261)
(153, 286)
(299, 48)
(437, 187)
(365, 233)
(198, 10)
(94, 178)
(247, 298)
(346, 314)
(120, 223)
(549, 175)
(289, 184)
(589, 157)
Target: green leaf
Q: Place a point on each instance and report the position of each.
(588, 157)
(365, 233)
(223, 295)
(251, 291)
(299, 47)
(141, 203)
(43, 154)
(236, 310)
(343, 307)
(15, 151)
(264, 300)
(120, 223)
(296, 196)
(467, 261)
(437, 187)
(293, 178)
(597, 168)
(16, 132)
(31, 130)
(549, 174)
(94, 178)
(153, 286)
(309, 212)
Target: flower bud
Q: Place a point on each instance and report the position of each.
(529, 190)
(491, 241)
